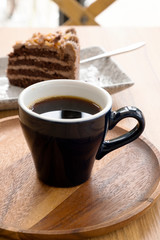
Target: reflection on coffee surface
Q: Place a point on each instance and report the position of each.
(65, 107)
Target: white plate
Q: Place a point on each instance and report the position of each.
(103, 72)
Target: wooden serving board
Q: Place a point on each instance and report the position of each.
(122, 186)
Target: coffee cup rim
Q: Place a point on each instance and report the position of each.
(66, 82)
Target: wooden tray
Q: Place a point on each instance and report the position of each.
(122, 186)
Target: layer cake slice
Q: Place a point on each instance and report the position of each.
(44, 57)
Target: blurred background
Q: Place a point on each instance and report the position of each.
(46, 13)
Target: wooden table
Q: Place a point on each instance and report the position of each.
(143, 67)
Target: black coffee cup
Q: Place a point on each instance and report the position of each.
(64, 150)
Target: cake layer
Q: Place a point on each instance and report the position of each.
(40, 52)
(37, 72)
(25, 82)
(41, 64)
(38, 59)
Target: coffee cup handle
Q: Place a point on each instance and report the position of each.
(115, 117)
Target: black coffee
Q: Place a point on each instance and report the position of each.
(66, 107)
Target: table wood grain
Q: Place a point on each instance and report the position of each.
(143, 67)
